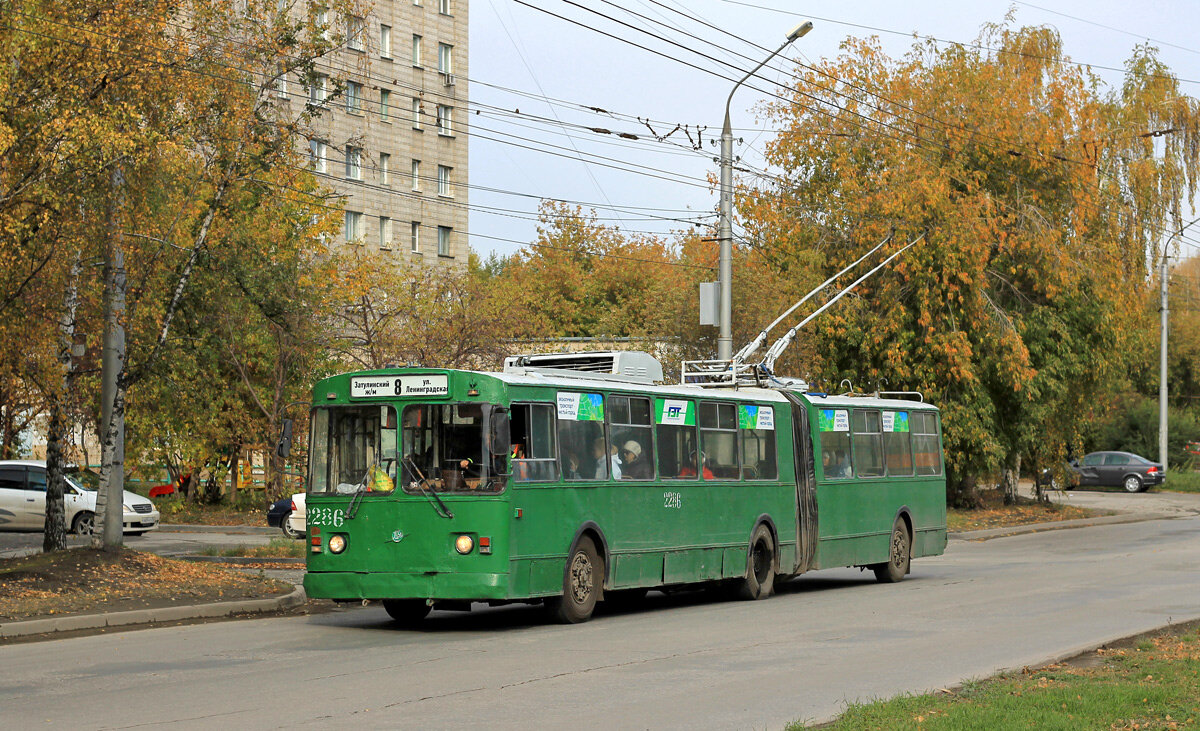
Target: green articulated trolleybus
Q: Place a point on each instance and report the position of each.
(569, 478)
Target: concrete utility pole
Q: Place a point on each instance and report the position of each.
(725, 230)
(1162, 365)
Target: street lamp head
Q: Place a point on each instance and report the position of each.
(800, 30)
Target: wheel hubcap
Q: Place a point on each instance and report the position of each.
(1131, 485)
(761, 562)
(897, 549)
(581, 578)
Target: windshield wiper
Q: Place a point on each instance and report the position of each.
(356, 498)
(423, 485)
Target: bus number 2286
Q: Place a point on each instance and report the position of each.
(673, 500)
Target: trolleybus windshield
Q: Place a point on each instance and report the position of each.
(449, 448)
(353, 449)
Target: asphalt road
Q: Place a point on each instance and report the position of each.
(674, 662)
(165, 541)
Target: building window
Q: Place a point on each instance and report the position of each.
(354, 91)
(416, 113)
(416, 51)
(445, 58)
(445, 120)
(444, 240)
(322, 18)
(317, 154)
(280, 84)
(385, 165)
(444, 187)
(385, 41)
(318, 90)
(354, 227)
(354, 163)
(444, 7)
(416, 175)
(355, 30)
(385, 105)
(385, 232)
(416, 237)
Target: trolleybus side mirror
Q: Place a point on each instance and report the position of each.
(284, 447)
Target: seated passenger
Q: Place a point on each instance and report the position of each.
(636, 466)
(689, 469)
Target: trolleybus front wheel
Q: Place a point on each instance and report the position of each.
(760, 568)
(898, 556)
(582, 582)
(406, 611)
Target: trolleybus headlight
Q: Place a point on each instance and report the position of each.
(337, 543)
(464, 544)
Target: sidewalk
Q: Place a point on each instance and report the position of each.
(1016, 530)
(50, 625)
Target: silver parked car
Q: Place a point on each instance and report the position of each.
(23, 502)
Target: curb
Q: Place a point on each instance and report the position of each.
(247, 560)
(195, 528)
(150, 616)
(1018, 530)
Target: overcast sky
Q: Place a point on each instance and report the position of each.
(550, 69)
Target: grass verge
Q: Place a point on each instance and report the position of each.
(1149, 683)
(1182, 481)
(179, 511)
(90, 581)
(276, 548)
(995, 514)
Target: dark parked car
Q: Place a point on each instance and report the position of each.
(1113, 469)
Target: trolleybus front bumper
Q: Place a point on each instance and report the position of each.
(349, 585)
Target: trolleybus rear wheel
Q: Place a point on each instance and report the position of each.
(898, 556)
(760, 566)
(406, 611)
(582, 581)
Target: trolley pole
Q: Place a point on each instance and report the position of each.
(725, 228)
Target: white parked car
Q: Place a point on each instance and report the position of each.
(23, 502)
(296, 523)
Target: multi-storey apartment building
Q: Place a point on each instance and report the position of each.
(391, 140)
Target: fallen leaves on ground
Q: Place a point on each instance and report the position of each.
(995, 514)
(86, 580)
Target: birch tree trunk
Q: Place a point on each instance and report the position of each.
(109, 499)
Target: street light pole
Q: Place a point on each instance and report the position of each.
(725, 230)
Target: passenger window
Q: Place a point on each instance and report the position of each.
(676, 434)
(37, 480)
(757, 425)
(718, 440)
(12, 478)
(629, 429)
(927, 455)
(868, 443)
(532, 449)
(584, 453)
(897, 444)
(1116, 459)
(833, 425)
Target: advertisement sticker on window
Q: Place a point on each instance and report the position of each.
(580, 406)
(834, 420)
(756, 417)
(895, 421)
(675, 412)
